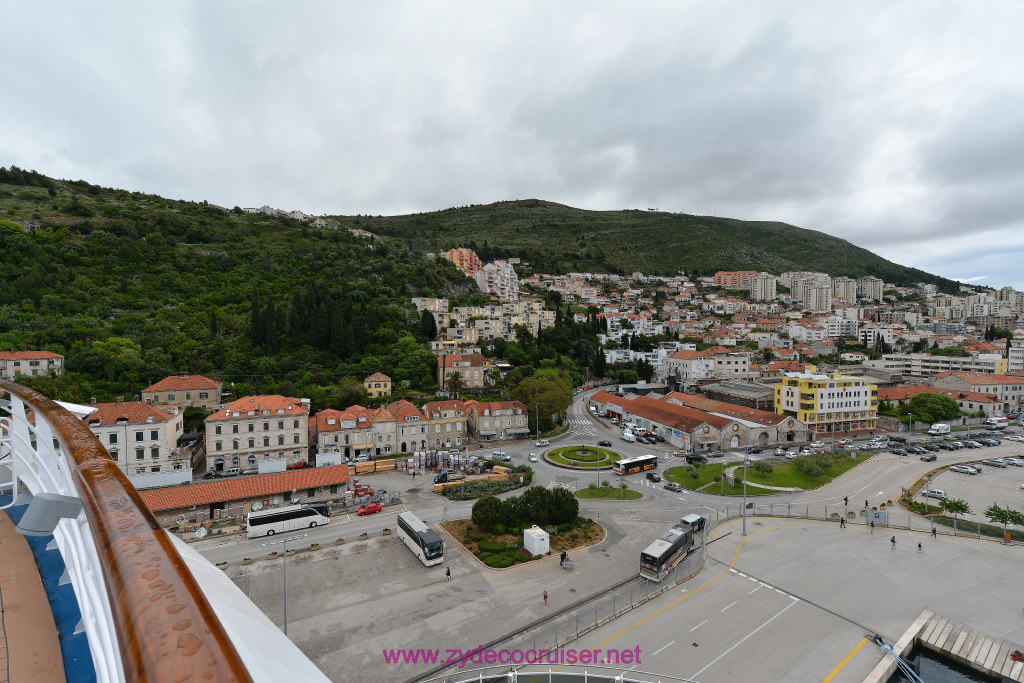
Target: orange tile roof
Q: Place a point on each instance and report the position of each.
(434, 408)
(377, 377)
(257, 404)
(244, 487)
(27, 355)
(136, 412)
(178, 383)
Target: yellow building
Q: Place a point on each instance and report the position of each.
(377, 385)
(828, 403)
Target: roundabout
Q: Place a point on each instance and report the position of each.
(582, 457)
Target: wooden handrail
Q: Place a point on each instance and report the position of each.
(166, 629)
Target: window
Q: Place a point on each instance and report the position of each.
(295, 424)
(203, 395)
(188, 396)
(170, 397)
(154, 469)
(154, 452)
(296, 438)
(334, 488)
(140, 470)
(113, 454)
(138, 436)
(280, 424)
(266, 426)
(113, 438)
(177, 465)
(287, 495)
(234, 429)
(140, 453)
(252, 443)
(218, 446)
(252, 427)
(154, 435)
(311, 492)
(280, 439)
(266, 441)
(216, 430)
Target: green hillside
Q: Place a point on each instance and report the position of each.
(558, 239)
(132, 288)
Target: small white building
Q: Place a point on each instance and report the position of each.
(536, 541)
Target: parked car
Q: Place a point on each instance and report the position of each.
(846, 442)
(916, 450)
(716, 454)
(300, 465)
(654, 476)
(368, 509)
(817, 444)
(989, 442)
(210, 475)
(934, 493)
(695, 459)
(972, 444)
(898, 439)
(1015, 437)
(251, 470)
(994, 462)
(659, 438)
(1016, 462)
(504, 457)
(673, 486)
(532, 457)
(230, 472)
(780, 451)
(754, 449)
(605, 442)
(929, 457)
(963, 469)
(898, 451)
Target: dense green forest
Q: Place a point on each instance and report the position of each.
(132, 288)
(554, 238)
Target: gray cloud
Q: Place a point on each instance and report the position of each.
(896, 126)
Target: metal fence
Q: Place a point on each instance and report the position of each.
(545, 674)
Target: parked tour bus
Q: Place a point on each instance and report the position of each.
(659, 557)
(283, 520)
(423, 542)
(637, 464)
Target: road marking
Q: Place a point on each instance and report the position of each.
(743, 575)
(756, 589)
(845, 660)
(660, 649)
(780, 592)
(730, 605)
(741, 641)
(698, 626)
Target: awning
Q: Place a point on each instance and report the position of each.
(251, 458)
(219, 460)
(487, 433)
(518, 430)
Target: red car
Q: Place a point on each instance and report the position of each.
(368, 509)
(300, 465)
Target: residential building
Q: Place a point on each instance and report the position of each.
(378, 385)
(828, 403)
(257, 428)
(447, 424)
(465, 259)
(498, 420)
(970, 402)
(412, 427)
(498, 278)
(870, 288)
(762, 287)
(845, 288)
(818, 298)
(746, 394)
(472, 368)
(141, 438)
(687, 368)
(360, 431)
(1009, 389)
(185, 391)
(734, 279)
(30, 364)
(925, 364)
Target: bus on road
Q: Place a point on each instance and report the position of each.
(423, 542)
(283, 520)
(637, 464)
(659, 557)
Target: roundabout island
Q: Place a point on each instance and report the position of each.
(582, 457)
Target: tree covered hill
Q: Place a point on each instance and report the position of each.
(133, 287)
(558, 239)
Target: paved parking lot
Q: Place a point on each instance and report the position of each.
(993, 485)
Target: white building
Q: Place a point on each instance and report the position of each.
(257, 428)
(141, 438)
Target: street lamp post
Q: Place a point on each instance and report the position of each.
(746, 459)
(285, 542)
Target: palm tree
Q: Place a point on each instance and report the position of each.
(957, 506)
(455, 384)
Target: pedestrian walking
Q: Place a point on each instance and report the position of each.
(448, 573)
(919, 548)
(872, 526)
(842, 522)
(846, 500)
(545, 598)
(564, 555)
(893, 541)
(865, 505)
(934, 530)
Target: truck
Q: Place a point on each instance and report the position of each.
(628, 437)
(938, 429)
(447, 476)
(997, 423)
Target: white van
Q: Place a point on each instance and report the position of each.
(938, 429)
(934, 493)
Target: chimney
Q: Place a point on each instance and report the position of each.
(120, 399)
(182, 375)
(92, 401)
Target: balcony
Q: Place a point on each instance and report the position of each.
(152, 609)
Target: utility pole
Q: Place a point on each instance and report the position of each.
(746, 459)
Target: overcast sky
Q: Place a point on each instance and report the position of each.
(896, 125)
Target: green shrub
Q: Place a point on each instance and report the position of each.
(763, 467)
(552, 530)
(592, 485)
(491, 546)
(500, 561)
(499, 528)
